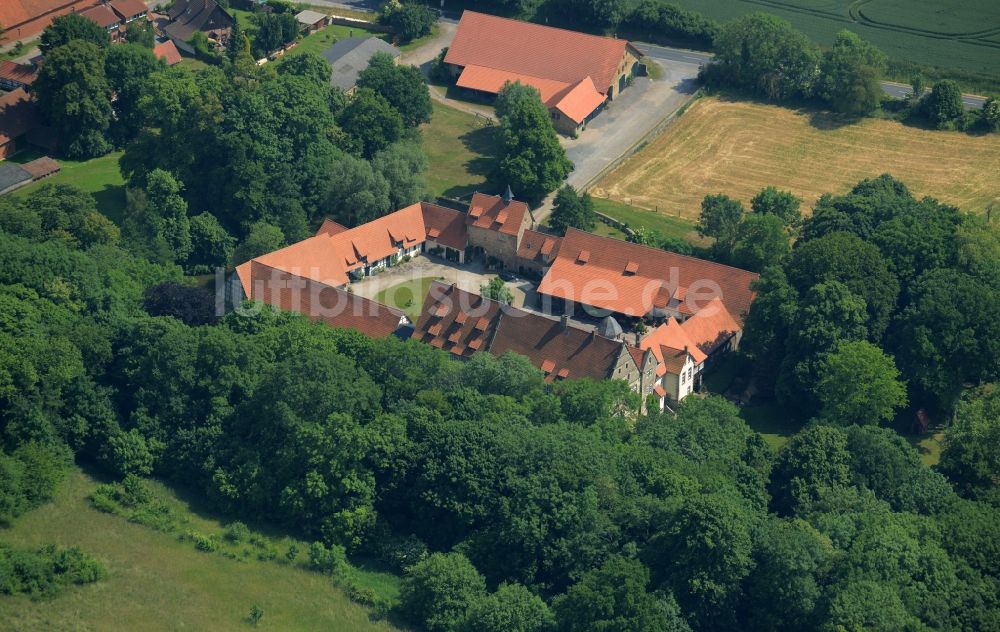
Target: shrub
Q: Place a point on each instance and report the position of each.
(329, 561)
(45, 571)
(237, 532)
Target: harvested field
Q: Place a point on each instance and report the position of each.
(738, 148)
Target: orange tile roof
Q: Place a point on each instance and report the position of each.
(15, 12)
(329, 255)
(535, 50)
(579, 100)
(324, 303)
(101, 15)
(711, 326)
(447, 226)
(22, 73)
(486, 210)
(535, 245)
(168, 52)
(491, 80)
(590, 269)
(667, 340)
(330, 227)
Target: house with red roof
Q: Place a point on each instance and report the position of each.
(168, 52)
(104, 17)
(574, 73)
(25, 18)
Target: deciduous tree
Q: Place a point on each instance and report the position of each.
(403, 86)
(571, 209)
(859, 384)
(72, 26)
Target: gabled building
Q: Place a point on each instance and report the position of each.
(190, 16)
(25, 18)
(464, 324)
(129, 10)
(575, 73)
(104, 17)
(168, 52)
(496, 225)
(349, 56)
(325, 303)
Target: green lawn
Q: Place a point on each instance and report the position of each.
(99, 177)
(636, 217)
(420, 41)
(407, 296)
(460, 150)
(772, 421)
(321, 40)
(156, 582)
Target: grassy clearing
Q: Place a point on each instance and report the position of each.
(737, 148)
(772, 422)
(420, 41)
(99, 176)
(928, 445)
(321, 40)
(459, 150)
(156, 582)
(637, 217)
(407, 296)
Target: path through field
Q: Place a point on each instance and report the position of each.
(737, 148)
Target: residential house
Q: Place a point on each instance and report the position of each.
(348, 57)
(575, 73)
(129, 10)
(188, 17)
(21, 19)
(104, 17)
(464, 324)
(14, 75)
(536, 252)
(496, 225)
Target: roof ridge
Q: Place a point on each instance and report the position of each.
(544, 26)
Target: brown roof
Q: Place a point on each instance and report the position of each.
(17, 115)
(189, 16)
(168, 52)
(321, 302)
(41, 167)
(128, 8)
(445, 226)
(464, 323)
(591, 269)
(536, 246)
(535, 50)
(101, 15)
(490, 212)
(455, 320)
(22, 73)
(16, 12)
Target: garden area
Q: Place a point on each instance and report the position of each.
(407, 296)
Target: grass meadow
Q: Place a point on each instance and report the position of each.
(99, 176)
(460, 151)
(156, 582)
(738, 148)
(407, 296)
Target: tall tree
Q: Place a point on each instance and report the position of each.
(531, 160)
(720, 219)
(970, 459)
(439, 590)
(784, 204)
(140, 33)
(571, 209)
(512, 608)
(75, 98)
(859, 384)
(127, 68)
(403, 86)
(403, 166)
(761, 241)
(371, 123)
(943, 105)
(356, 192)
(72, 26)
(851, 71)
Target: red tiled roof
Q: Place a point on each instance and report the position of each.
(328, 227)
(489, 211)
(672, 336)
(328, 258)
(711, 326)
(168, 52)
(535, 50)
(491, 80)
(579, 100)
(101, 15)
(445, 226)
(321, 302)
(591, 269)
(128, 8)
(17, 115)
(21, 73)
(16, 12)
(535, 245)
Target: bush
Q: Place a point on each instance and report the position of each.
(237, 532)
(411, 21)
(329, 561)
(206, 543)
(439, 590)
(45, 571)
(439, 69)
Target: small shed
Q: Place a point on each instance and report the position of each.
(310, 21)
(12, 176)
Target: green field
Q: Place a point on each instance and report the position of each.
(99, 177)
(156, 582)
(460, 150)
(407, 296)
(951, 34)
(321, 40)
(636, 217)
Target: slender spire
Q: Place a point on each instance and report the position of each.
(508, 195)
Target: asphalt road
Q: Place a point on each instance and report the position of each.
(893, 89)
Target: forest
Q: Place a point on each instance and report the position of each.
(510, 503)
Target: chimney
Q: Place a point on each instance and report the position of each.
(508, 195)
(564, 321)
(638, 339)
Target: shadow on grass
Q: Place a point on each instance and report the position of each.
(111, 202)
(481, 141)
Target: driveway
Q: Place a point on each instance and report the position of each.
(625, 122)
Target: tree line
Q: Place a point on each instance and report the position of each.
(511, 503)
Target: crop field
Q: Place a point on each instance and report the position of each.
(960, 34)
(738, 148)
